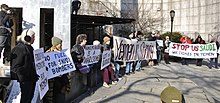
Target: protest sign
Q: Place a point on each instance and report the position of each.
(58, 63)
(41, 71)
(219, 51)
(160, 43)
(193, 50)
(15, 92)
(106, 59)
(91, 54)
(127, 50)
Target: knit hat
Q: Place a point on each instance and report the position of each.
(55, 41)
(171, 95)
(106, 39)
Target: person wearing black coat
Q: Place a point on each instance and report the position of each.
(199, 40)
(22, 65)
(6, 23)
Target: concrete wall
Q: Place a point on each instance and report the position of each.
(31, 14)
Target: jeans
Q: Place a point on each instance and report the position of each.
(138, 65)
(116, 70)
(129, 66)
(158, 56)
(212, 62)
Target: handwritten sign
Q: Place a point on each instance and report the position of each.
(193, 50)
(41, 71)
(106, 59)
(92, 53)
(58, 63)
(128, 50)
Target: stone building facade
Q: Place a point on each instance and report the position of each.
(191, 16)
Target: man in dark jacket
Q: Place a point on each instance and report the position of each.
(5, 32)
(22, 65)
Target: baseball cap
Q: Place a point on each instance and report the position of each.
(171, 95)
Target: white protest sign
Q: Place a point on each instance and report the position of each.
(106, 59)
(219, 51)
(193, 50)
(91, 54)
(128, 50)
(41, 71)
(58, 63)
(160, 42)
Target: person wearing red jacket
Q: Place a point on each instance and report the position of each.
(185, 40)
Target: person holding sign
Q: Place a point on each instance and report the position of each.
(185, 40)
(60, 85)
(109, 69)
(166, 50)
(77, 53)
(158, 46)
(137, 63)
(199, 40)
(216, 59)
(22, 65)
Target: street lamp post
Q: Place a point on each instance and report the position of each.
(172, 14)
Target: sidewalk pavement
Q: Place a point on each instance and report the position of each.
(145, 86)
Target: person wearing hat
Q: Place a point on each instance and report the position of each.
(60, 85)
(22, 65)
(171, 95)
(56, 44)
(108, 72)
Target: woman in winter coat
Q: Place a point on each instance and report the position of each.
(60, 85)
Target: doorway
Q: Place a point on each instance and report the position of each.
(46, 27)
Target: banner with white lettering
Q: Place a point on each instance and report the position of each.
(106, 59)
(58, 63)
(41, 71)
(193, 50)
(128, 50)
(92, 53)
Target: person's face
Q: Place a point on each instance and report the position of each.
(108, 43)
(84, 42)
(59, 46)
(32, 39)
(167, 38)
